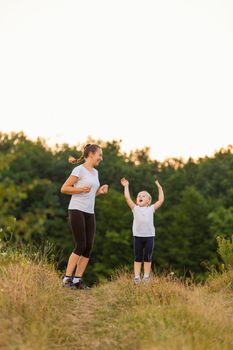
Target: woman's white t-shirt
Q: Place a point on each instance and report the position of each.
(85, 201)
(143, 223)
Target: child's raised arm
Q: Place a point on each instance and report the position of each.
(160, 196)
(125, 184)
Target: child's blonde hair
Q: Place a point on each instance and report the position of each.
(148, 194)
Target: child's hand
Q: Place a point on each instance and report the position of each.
(124, 182)
(157, 183)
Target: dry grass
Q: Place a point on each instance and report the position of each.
(33, 306)
(161, 315)
(38, 314)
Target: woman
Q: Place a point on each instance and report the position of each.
(83, 184)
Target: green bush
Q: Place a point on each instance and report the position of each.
(225, 250)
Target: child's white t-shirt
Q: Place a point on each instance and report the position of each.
(84, 201)
(143, 223)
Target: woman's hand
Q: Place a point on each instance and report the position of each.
(103, 189)
(85, 189)
(68, 186)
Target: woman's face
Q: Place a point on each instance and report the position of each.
(96, 157)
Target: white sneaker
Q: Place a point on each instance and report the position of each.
(146, 279)
(137, 280)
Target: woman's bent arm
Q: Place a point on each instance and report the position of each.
(68, 186)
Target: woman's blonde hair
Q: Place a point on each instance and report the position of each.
(89, 148)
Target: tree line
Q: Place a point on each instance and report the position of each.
(198, 203)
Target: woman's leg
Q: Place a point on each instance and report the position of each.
(81, 266)
(72, 263)
(90, 227)
(77, 223)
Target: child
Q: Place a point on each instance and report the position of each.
(143, 228)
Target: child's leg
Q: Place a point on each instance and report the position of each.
(138, 254)
(148, 256)
(137, 268)
(147, 268)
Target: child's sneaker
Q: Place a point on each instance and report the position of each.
(137, 280)
(146, 279)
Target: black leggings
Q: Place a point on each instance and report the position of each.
(83, 227)
(143, 245)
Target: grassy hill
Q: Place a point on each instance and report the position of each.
(38, 314)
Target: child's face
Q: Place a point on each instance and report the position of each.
(143, 199)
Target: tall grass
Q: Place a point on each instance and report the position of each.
(38, 314)
(164, 314)
(33, 305)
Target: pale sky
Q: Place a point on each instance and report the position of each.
(151, 73)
